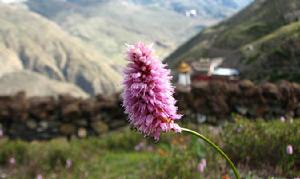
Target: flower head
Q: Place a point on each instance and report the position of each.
(282, 119)
(69, 163)
(201, 166)
(39, 176)
(289, 149)
(12, 161)
(148, 93)
(203, 161)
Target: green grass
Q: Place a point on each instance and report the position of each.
(257, 147)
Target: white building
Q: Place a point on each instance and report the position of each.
(191, 13)
(184, 75)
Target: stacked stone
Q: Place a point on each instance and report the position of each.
(218, 100)
(42, 118)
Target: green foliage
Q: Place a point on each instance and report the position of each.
(17, 150)
(123, 141)
(58, 155)
(253, 145)
(261, 144)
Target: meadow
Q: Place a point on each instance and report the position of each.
(259, 149)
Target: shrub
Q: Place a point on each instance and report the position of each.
(263, 144)
(16, 149)
(124, 140)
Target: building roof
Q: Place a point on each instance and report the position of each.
(206, 64)
(184, 68)
(225, 72)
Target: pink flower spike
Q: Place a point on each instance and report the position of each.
(148, 93)
(289, 150)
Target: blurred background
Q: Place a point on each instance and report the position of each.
(236, 70)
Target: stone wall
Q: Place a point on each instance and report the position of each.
(49, 117)
(42, 118)
(217, 100)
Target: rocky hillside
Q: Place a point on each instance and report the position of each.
(83, 42)
(218, 9)
(108, 25)
(31, 42)
(36, 84)
(264, 35)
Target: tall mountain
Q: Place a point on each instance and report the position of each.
(261, 41)
(108, 25)
(205, 8)
(35, 84)
(30, 42)
(82, 42)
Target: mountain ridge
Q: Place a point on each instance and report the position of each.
(108, 25)
(229, 38)
(54, 53)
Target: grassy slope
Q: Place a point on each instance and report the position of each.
(272, 40)
(275, 55)
(226, 39)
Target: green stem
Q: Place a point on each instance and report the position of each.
(220, 151)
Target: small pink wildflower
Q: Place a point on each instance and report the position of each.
(289, 150)
(203, 161)
(12, 161)
(69, 163)
(282, 119)
(148, 93)
(201, 166)
(140, 146)
(39, 176)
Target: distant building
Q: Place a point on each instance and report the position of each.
(184, 75)
(191, 13)
(204, 69)
(226, 74)
(292, 16)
